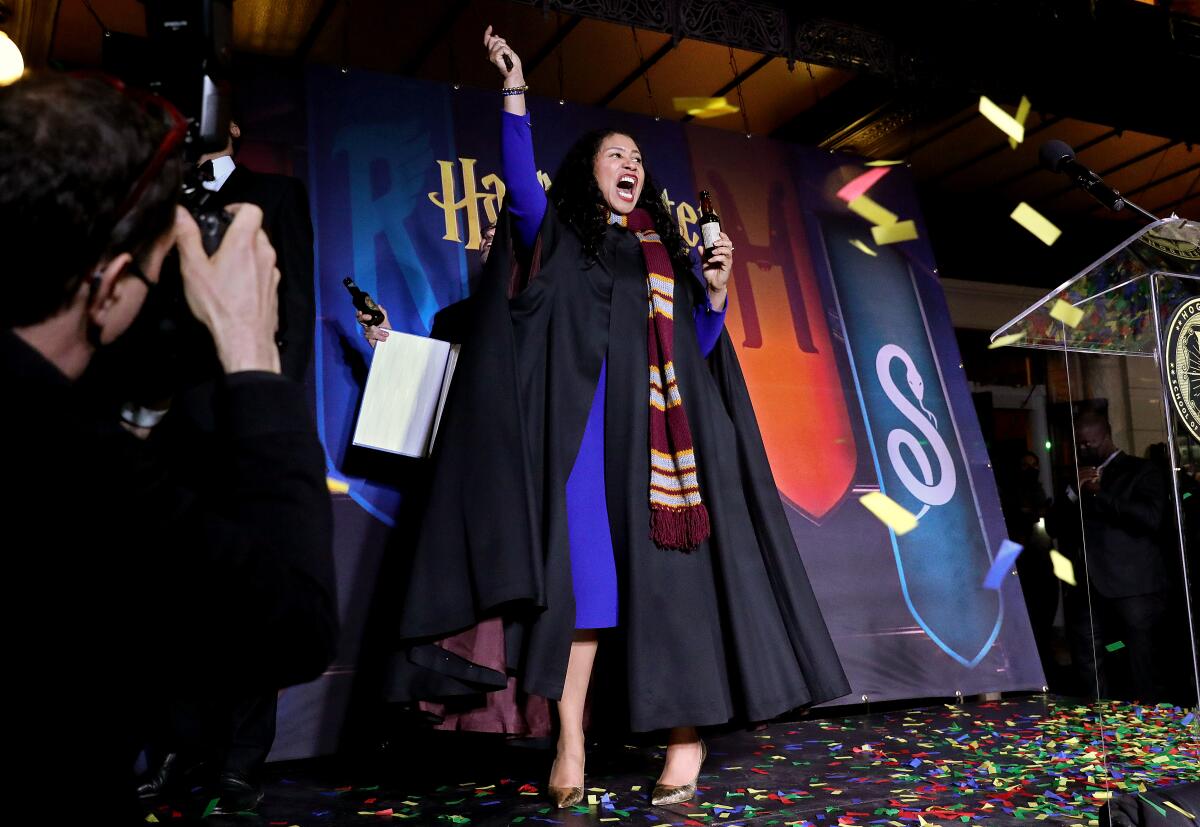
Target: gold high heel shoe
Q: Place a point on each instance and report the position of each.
(666, 794)
(563, 797)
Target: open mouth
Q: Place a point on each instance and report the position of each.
(625, 187)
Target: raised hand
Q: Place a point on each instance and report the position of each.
(498, 49)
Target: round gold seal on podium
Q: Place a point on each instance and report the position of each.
(1182, 352)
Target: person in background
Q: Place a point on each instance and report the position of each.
(1120, 572)
(222, 741)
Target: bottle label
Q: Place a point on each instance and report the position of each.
(710, 233)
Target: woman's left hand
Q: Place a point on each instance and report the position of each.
(717, 266)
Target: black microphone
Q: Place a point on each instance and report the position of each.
(1057, 156)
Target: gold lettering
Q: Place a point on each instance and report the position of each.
(491, 203)
(491, 195)
(687, 215)
(667, 202)
(448, 204)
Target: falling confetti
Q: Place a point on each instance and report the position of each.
(1064, 569)
(893, 233)
(1036, 223)
(1007, 339)
(1066, 313)
(1022, 113)
(1002, 564)
(890, 513)
(1003, 121)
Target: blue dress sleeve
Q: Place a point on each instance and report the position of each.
(524, 193)
(709, 322)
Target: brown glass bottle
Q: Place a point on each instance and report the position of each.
(363, 302)
(709, 222)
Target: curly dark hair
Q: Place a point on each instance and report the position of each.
(70, 152)
(579, 202)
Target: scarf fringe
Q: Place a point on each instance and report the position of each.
(679, 528)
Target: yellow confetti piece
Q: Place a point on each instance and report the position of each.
(1036, 223)
(858, 245)
(875, 213)
(883, 163)
(1066, 313)
(683, 104)
(593, 800)
(713, 111)
(704, 107)
(889, 512)
(1064, 570)
(1179, 809)
(637, 788)
(337, 486)
(1022, 113)
(1005, 341)
(894, 233)
(151, 819)
(1003, 121)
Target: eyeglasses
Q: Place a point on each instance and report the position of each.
(166, 147)
(135, 270)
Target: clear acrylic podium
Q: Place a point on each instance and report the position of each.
(1133, 356)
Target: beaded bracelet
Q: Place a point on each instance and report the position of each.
(514, 90)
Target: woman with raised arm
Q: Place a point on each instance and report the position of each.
(600, 485)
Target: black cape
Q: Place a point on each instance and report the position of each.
(730, 630)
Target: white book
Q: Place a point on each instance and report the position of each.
(405, 394)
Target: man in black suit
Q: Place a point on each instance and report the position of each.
(224, 738)
(1121, 572)
(137, 578)
(288, 223)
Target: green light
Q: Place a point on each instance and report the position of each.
(1047, 445)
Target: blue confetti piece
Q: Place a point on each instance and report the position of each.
(1003, 563)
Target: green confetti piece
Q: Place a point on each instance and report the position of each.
(1113, 647)
(212, 805)
(1161, 810)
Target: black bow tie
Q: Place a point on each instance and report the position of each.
(206, 172)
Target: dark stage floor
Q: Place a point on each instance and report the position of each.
(1009, 762)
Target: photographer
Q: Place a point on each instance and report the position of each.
(139, 578)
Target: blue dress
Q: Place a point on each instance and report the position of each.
(593, 564)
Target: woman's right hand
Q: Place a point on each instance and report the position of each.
(375, 333)
(497, 48)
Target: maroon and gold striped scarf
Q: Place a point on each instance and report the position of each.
(678, 518)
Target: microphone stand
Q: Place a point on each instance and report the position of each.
(1125, 202)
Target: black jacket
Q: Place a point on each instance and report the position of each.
(1122, 527)
(128, 582)
(288, 223)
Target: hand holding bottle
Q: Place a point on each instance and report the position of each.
(716, 253)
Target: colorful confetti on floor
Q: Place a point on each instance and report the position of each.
(1015, 761)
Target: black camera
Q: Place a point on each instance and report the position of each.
(186, 57)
